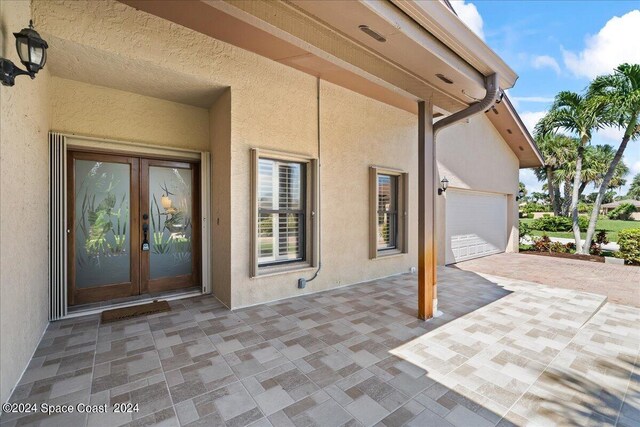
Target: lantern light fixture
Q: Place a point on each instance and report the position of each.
(32, 50)
(444, 184)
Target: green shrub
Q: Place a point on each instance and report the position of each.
(622, 212)
(558, 223)
(535, 207)
(584, 207)
(524, 229)
(629, 241)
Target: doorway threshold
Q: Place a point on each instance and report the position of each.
(99, 307)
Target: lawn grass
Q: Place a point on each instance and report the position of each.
(611, 226)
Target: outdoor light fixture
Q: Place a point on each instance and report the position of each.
(444, 184)
(32, 50)
(520, 195)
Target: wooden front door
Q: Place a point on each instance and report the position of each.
(133, 226)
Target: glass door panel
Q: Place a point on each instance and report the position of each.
(169, 211)
(103, 223)
(171, 222)
(103, 255)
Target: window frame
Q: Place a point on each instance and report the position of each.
(401, 237)
(309, 227)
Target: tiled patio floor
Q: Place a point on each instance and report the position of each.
(622, 281)
(503, 353)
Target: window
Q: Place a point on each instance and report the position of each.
(284, 216)
(388, 212)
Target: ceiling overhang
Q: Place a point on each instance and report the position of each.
(323, 38)
(507, 122)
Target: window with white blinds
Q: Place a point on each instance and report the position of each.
(281, 211)
(388, 233)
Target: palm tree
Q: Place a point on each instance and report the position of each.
(556, 151)
(577, 114)
(634, 189)
(618, 94)
(595, 165)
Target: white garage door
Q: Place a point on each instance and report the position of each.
(476, 224)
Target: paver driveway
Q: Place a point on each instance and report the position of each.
(620, 283)
(503, 353)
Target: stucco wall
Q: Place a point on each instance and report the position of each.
(473, 156)
(24, 198)
(220, 122)
(356, 132)
(102, 112)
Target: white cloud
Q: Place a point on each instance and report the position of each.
(468, 13)
(614, 44)
(612, 134)
(531, 118)
(542, 99)
(635, 168)
(545, 61)
(528, 178)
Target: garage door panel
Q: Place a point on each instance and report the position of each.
(476, 225)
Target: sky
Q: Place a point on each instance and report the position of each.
(555, 46)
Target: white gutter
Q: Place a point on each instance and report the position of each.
(492, 95)
(439, 20)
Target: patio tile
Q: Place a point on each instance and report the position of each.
(402, 375)
(297, 344)
(289, 306)
(236, 339)
(149, 394)
(166, 320)
(333, 332)
(230, 405)
(44, 367)
(315, 410)
(363, 350)
(257, 314)
(402, 416)
(275, 328)
(327, 366)
(184, 354)
(107, 351)
(279, 387)
(221, 323)
(122, 371)
(253, 360)
(198, 378)
(365, 396)
(179, 334)
(123, 329)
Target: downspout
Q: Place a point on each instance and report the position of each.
(491, 97)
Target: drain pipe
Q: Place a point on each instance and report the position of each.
(492, 96)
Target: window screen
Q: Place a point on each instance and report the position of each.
(281, 211)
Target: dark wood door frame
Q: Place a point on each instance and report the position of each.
(148, 285)
(116, 290)
(139, 204)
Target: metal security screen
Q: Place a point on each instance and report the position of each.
(281, 211)
(57, 226)
(387, 212)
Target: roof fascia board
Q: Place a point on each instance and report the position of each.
(440, 21)
(522, 128)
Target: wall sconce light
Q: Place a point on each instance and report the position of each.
(520, 195)
(32, 50)
(444, 184)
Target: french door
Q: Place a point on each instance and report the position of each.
(133, 226)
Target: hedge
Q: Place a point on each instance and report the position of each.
(629, 241)
(622, 212)
(558, 223)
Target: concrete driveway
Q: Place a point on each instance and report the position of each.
(619, 283)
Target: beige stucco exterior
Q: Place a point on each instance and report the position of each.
(24, 203)
(473, 156)
(262, 104)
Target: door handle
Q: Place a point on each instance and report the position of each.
(145, 240)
